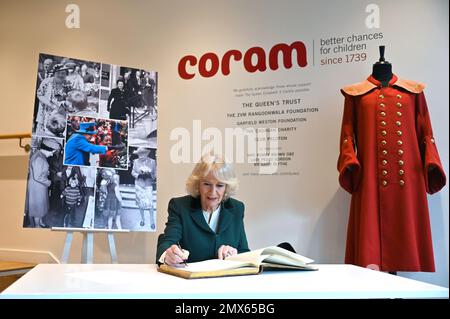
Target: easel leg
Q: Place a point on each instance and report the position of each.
(67, 244)
(112, 248)
(88, 248)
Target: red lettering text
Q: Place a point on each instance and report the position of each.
(254, 59)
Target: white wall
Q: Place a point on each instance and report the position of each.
(309, 211)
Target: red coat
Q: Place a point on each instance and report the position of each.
(388, 161)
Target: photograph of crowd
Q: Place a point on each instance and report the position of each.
(127, 199)
(93, 152)
(96, 142)
(64, 86)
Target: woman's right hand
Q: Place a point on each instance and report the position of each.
(174, 256)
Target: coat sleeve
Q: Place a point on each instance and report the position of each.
(243, 244)
(136, 169)
(85, 146)
(173, 231)
(110, 98)
(348, 165)
(434, 174)
(39, 171)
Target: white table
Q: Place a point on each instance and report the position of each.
(143, 281)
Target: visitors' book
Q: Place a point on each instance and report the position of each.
(249, 263)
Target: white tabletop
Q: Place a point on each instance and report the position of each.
(143, 281)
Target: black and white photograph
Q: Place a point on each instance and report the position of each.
(64, 85)
(128, 93)
(96, 142)
(93, 158)
(127, 199)
(57, 195)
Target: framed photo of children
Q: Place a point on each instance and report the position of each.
(93, 152)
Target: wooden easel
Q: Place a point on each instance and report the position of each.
(87, 255)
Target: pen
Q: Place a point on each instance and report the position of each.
(179, 246)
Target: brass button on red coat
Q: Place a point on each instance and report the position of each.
(399, 96)
(399, 113)
(381, 96)
(384, 172)
(383, 142)
(399, 133)
(383, 123)
(384, 162)
(400, 152)
(399, 105)
(401, 182)
(382, 105)
(345, 141)
(399, 142)
(398, 123)
(384, 152)
(400, 162)
(384, 182)
(432, 140)
(401, 172)
(383, 133)
(383, 114)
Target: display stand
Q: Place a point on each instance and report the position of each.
(87, 255)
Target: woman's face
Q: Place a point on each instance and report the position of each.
(60, 76)
(211, 192)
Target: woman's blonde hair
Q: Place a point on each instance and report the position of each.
(222, 170)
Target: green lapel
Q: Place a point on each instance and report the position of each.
(225, 216)
(197, 215)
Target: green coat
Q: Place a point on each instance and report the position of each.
(186, 225)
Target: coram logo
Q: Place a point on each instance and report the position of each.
(209, 64)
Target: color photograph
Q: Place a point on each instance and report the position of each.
(96, 142)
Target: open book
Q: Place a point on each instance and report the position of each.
(249, 263)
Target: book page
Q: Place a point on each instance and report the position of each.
(254, 256)
(274, 250)
(285, 261)
(272, 254)
(214, 265)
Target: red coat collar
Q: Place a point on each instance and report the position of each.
(378, 83)
(371, 83)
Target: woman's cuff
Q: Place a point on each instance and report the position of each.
(161, 259)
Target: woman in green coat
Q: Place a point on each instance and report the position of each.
(207, 223)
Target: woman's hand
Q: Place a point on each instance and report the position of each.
(226, 251)
(174, 256)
